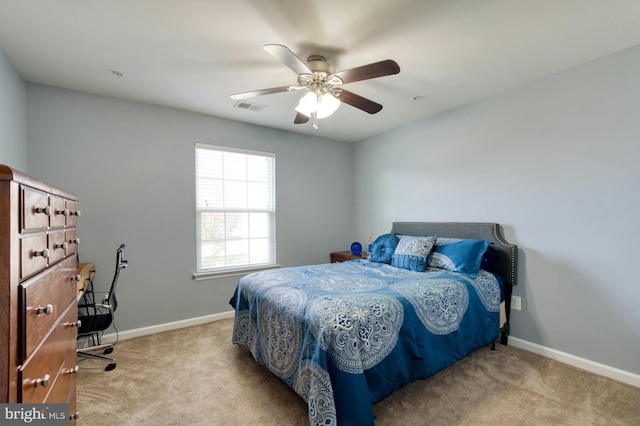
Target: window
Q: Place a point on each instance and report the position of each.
(235, 209)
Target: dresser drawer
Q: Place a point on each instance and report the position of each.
(64, 383)
(41, 370)
(34, 252)
(73, 414)
(34, 209)
(59, 212)
(72, 241)
(44, 299)
(57, 246)
(74, 213)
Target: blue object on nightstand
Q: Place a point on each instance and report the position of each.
(356, 248)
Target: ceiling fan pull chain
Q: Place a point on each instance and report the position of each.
(315, 120)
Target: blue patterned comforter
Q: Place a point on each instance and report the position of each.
(346, 335)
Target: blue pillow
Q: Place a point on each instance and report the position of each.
(458, 255)
(412, 252)
(490, 260)
(382, 248)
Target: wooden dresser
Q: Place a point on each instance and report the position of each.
(38, 291)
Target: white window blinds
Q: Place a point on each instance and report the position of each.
(235, 208)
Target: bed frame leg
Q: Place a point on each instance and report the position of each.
(504, 335)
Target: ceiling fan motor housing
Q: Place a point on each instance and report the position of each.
(319, 64)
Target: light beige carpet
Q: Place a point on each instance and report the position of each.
(195, 376)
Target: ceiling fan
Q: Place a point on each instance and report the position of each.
(325, 92)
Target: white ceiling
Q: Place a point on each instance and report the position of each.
(193, 54)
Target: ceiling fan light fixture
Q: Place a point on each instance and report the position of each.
(308, 104)
(327, 105)
(323, 105)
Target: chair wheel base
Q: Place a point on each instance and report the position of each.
(110, 367)
(108, 351)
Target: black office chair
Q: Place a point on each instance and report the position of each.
(95, 318)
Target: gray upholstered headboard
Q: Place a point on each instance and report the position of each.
(507, 253)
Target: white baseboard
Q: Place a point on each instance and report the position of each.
(153, 329)
(585, 364)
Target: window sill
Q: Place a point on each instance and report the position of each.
(226, 273)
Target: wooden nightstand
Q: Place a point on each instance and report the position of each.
(342, 256)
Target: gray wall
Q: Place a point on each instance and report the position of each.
(556, 162)
(13, 117)
(132, 165)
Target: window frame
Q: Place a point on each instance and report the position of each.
(232, 271)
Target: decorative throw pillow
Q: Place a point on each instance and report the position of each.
(458, 255)
(490, 260)
(412, 252)
(382, 248)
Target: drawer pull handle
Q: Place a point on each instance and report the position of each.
(73, 370)
(45, 210)
(74, 416)
(48, 310)
(77, 278)
(44, 382)
(63, 212)
(44, 253)
(62, 245)
(76, 213)
(75, 324)
(75, 241)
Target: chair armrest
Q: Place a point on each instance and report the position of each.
(98, 309)
(104, 292)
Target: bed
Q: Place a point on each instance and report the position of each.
(346, 335)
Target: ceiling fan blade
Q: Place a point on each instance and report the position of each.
(261, 92)
(287, 57)
(365, 72)
(359, 102)
(300, 118)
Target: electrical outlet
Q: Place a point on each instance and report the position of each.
(516, 303)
